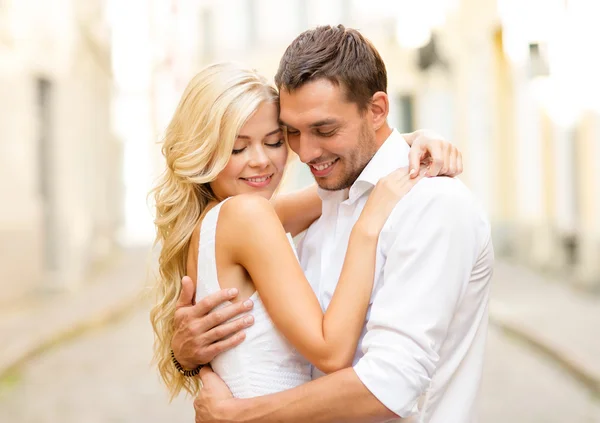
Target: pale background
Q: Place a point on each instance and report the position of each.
(88, 86)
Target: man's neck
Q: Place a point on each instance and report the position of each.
(382, 134)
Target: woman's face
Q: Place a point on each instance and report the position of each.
(258, 158)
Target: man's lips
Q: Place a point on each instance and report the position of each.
(324, 168)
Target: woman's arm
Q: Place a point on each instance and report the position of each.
(338, 397)
(254, 238)
(298, 209)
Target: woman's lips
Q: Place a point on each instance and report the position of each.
(258, 181)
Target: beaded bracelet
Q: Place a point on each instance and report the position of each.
(180, 369)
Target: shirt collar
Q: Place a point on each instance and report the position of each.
(392, 155)
(338, 196)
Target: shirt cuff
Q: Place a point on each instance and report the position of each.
(399, 401)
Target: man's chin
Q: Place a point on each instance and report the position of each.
(330, 184)
(336, 181)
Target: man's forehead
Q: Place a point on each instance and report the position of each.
(312, 91)
(312, 101)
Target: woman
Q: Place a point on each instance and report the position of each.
(225, 157)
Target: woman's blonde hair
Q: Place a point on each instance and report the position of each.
(197, 146)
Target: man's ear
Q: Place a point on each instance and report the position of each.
(380, 107)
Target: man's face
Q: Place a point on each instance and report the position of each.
(328, 132)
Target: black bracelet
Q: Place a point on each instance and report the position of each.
(180, 369)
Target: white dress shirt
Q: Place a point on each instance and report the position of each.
(421, 352)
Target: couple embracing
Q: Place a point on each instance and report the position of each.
(379, 313)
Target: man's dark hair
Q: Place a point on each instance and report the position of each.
(341, 55)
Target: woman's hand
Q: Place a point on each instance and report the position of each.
(384, 197)
(431, 149)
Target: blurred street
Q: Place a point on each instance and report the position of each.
(104, 376)
(520, 386)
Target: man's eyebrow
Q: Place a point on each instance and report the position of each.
(273, 132)
(283, 124)
(323, 122)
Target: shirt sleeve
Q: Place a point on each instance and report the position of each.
(429, 252)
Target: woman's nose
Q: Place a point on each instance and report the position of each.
(259, 158)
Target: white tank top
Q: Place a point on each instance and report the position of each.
(264, 362)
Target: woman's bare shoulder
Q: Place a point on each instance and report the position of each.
(247, 209)
(247, 222)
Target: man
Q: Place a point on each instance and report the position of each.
(421, 354)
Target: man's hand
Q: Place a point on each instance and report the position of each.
(431, 149)
(200, 334)
(209, 405)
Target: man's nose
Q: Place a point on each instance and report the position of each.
(259, 157)
(308, 149)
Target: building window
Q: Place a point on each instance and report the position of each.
(251, 23)
(406, 113)
(346, 12)
(538, 61)
(44, 100)
(302, 18)
(207, 31)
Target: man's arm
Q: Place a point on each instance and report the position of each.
(427, 268)
(338, 397)
(431, 247)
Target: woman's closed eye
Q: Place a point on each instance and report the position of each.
(276, 144)
(271, 145)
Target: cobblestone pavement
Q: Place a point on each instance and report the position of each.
(519, 386)
(105, 377)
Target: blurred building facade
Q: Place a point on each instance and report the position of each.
(497, 77)
(89, 86)
(61, 163)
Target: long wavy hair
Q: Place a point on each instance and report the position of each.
(197, 146)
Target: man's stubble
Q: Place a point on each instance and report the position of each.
(356, 162)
